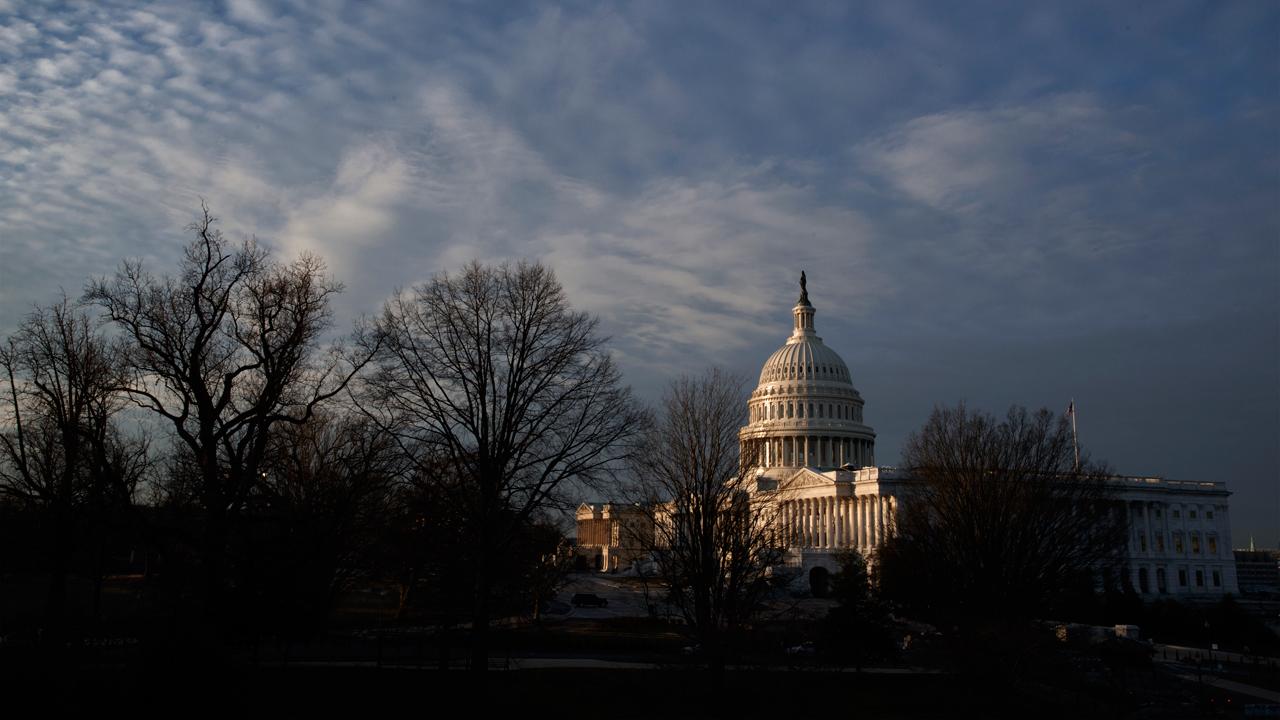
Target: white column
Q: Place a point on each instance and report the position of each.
(862, 522)
(880, 528)
(807, 522)
(1151, 539)
(848, 522)
(820, 526)
(839, 521)
(851, 511)
(825, 505)
(877, 528)
(854, 526)
(815, 527)
(819, 518)
(832, 522)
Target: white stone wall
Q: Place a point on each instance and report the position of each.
(1179, 541)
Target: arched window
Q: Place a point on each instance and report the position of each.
(790, 410)
(819, 409)
(800, 409)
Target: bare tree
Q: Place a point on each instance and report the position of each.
(324, 489)
(1006, 521)
(222, 352)
(491, 373)
(717, 533)
(61, 455)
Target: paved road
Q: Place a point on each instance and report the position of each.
(626, 598)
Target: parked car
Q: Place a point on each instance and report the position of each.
(589, 600)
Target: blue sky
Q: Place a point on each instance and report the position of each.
(1001, 203)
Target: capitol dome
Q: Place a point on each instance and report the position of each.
(805, 411)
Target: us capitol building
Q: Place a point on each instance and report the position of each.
(817, 458)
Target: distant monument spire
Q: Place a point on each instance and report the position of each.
(804, 290)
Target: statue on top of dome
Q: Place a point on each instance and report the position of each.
(804, 290)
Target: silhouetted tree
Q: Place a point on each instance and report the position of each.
(61, 455)
(491, 373)
(1005, 521)
(715, 534)
(857, 629)
(324, 488)
(223, 352)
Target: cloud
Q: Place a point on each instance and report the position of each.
(946, 181)
(356, 210)
(979, 159)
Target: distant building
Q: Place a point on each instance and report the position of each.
(817, 455)
(611, 536)
(1258, 572)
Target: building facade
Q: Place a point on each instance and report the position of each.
(816, 457)
(611, 535)
(1258, 572)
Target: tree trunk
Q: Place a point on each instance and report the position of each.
(56, 600)
(480, 616)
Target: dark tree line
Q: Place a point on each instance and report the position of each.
(258, 469)
(1006, 523)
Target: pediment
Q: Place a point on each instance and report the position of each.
(806, 478)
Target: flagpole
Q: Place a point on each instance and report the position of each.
(1075, 443)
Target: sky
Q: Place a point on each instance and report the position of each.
(1000, 203)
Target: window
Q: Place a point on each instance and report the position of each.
(1208, 514)
(1143, 585)
(1213, 544)
(1161, 583)
(1177, 542)
(1195, 543)
(820, 410)
(1182, 577)
(1177, 513)
(1199, 578)
(810, 409)
(1160, 542)
(1157, 513)
(1142, 544)
(1217, 579)
(800, 410)
(1191, 514)
(790, 408)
